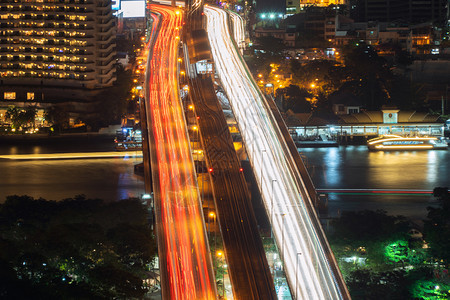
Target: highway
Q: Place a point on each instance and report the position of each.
(247, 264)
(238, 29)
(310, 267)
(185, 261)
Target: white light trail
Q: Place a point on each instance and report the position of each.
(305, 262)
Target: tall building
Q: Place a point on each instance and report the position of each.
(296, 6)
(48, 45)
(410, 11)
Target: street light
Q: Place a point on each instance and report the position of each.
(219, 254)
(273, 88)
(213, 215)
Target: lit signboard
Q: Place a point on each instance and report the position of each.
(133, 9)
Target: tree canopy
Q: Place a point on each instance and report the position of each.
(75, 248)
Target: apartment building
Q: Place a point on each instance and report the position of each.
(55, 47)
(297, 6)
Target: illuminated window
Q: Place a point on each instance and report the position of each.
(9, 95)
(30, 96)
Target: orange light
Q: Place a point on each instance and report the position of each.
(212, 214)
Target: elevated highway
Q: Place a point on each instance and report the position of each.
(247, 264)
(311, 269)
(185, 261)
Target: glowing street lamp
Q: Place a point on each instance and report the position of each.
(273, 88)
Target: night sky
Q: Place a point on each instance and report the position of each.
(270, 6)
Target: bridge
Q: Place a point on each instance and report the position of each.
(285, 186)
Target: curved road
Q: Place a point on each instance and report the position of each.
(295, 225)
(185, 262)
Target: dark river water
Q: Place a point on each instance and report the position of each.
(354, 167)
(112, 179)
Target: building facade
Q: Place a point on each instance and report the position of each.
(55, 43)
(297, 6)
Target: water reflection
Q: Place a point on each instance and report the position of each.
(432, 170)
(354, 167)
(110, 179)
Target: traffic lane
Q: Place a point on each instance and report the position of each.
(227, 171)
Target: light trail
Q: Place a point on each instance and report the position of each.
(185, 261)
(307, 267)
(74, 155)
(375, 191)
(238, 29)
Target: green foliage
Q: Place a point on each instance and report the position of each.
(430, 290)
(397, 251)
(20, 117)
(75, 248)
(366, 284)
(381, 240)
(364, 226)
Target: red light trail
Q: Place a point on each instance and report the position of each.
(186, 268)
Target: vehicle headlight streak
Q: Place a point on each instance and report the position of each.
(186, 269)
(238, 29)
(307, 268)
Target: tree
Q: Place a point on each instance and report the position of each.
(370, 74)
(75, 248)
(437, 226)
(430, 289)
(295, 99)
(58, 117)
(367, 233)
(365, 284)
(397, 251)
(20, 117)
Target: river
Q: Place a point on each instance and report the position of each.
(112, 179)
(354, 167)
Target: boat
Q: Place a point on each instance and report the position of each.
(128, 146)
(398, 142)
